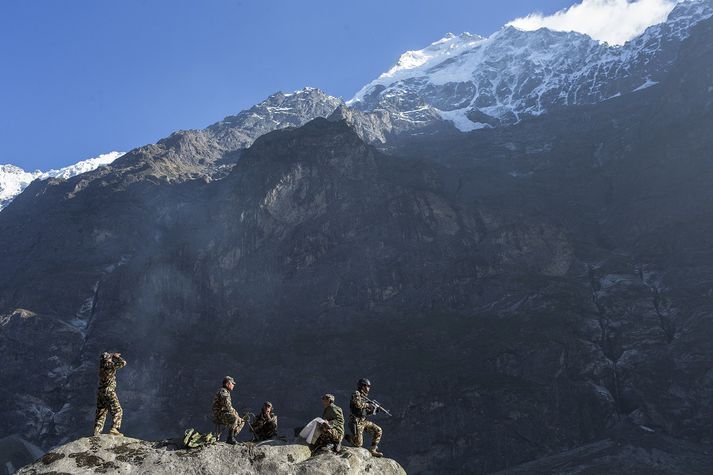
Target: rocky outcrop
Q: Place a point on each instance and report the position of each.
(276, 112)
(14, 179)
(108, 454)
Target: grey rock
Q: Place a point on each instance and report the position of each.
(109, 454)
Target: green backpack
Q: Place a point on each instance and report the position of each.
(192, 439)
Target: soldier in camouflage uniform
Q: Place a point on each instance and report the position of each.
(106, 396)
(333, 429)
(265, 425)
(223, 412)
(359, 408)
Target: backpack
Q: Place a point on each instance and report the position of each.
(192, 439)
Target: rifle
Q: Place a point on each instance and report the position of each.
(246, 418)
(377, 407)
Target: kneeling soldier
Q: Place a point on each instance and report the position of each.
(265, 425)
(333, 428)
(106, 396)
(223, 411)
(359, 408)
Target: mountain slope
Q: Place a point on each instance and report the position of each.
(477, 82)
(14, 179)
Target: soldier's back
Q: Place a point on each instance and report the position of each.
(221, 402)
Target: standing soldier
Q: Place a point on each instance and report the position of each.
(333, 428)
(265, 425)
(359, 408)
(224, 414)
(106, 396)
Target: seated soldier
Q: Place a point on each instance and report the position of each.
(332, 430)
(265, 425)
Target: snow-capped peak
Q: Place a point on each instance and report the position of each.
(472, 81)
(448, 46)
(14, 179)
(83, 166)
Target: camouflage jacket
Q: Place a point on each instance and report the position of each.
(107, 372)
(264, 425)
(222, 404)
(358, 407)
(335, 416)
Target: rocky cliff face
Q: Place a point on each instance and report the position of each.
(512, 292)
(14, 179)
(107, 454)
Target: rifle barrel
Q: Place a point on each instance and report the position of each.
(376, 403)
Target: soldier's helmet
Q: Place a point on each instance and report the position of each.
(328, 397)
(364, 382)
(228, 379)
(105, 356)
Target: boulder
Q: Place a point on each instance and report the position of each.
(108, 454)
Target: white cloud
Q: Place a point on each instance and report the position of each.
(613, 21)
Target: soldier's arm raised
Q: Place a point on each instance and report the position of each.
(118, 361)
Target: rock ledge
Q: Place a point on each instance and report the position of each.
(107, 454)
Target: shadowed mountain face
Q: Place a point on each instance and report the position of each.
(511, 293)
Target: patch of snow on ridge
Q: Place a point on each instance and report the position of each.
(647, 84)
(461, 121)
(448, 46)
(14, 179)
(83, 166)
(415, 61)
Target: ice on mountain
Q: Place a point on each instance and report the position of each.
(461, 121)
(515, 73)
(13, 179)
(646, 84)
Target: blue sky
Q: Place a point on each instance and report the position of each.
(83, 77)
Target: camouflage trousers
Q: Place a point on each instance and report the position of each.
(328, 436)
(358, 426)
(107, 401)
(231, 420)
(266, 431)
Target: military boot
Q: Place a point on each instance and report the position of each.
(231, 439)
(338, 448)
(115, 431)
(375, 452)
